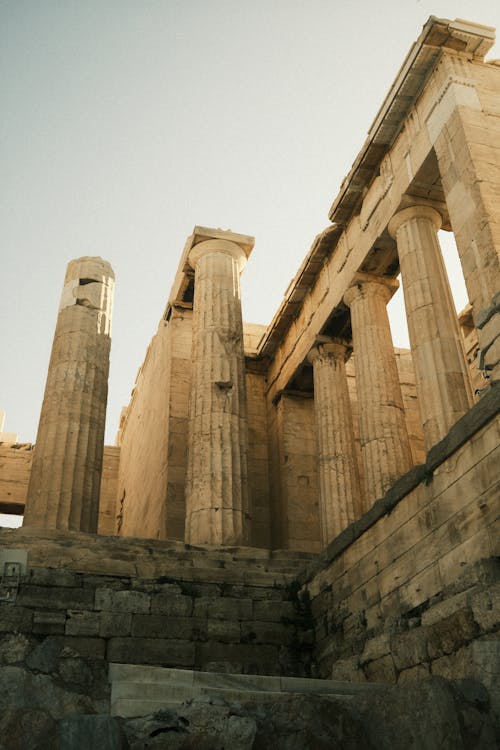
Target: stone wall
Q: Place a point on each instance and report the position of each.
(109, 490)
(294, 475)
(15, 468)
(412, 588)
(258, 460)
(153, 437)
(227, 611)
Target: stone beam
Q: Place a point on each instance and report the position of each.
(366, 230)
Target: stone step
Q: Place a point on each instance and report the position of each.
(153, 558)
(138, 690)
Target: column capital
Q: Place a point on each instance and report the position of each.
(215, 246)
(329, 348)
(369, 284)
(418, 211)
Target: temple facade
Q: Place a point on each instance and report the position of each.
(314, 435)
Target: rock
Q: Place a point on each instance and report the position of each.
(20, 689)
(308, 723)
(26, 729)
(200, 725)
(13, 648)
(294, 723)
(44, 657)
(431, 714)
(81, 732)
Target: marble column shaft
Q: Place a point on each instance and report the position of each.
(385, 447)
(442, 379)
(217, 503)
(65, 478)
(340, 493)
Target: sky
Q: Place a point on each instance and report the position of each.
(125, 123)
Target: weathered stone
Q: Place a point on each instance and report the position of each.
(168, 604)
(158, 651)
(381, 670)
(456, 665)
(21, 689)
(53, 577)
(385, 448)
(14, 648)
(236, 609)
(420, 672)
(90, 732)
(65, 478)
(486, 609)
(88, 648)
(376, 647)
(410, 648)
(115, 624)
(274, 611)
(223, 631)
(419, 714)
(445, 608)
(446, 636)
(162, 626)
(237, 658)
(27, 728)
(49, 623)
(217, 501)
(302, 722)
(339, 483)
(442, 379)
(45, 656)
(267, 632)
(122, 601)
(46, 597)
(201, 725)
(76, 672)
(82, 623)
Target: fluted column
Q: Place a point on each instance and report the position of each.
(217, 504)
(339, 487)
(385, 447)
(442, 379)
(65, 477)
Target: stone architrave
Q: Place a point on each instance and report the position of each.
(339, 486)
(385, 446)
(442, 379)
(217, 502)
(63, 491)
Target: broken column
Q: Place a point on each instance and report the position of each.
(340, 493)
(442, 379)
(385, 447)
(63, 492)
(217, 502)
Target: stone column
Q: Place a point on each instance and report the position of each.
(442, 379)
(385, 447)
(63, 491)
(217, 503)
(339, 486)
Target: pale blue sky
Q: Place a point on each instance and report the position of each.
(125, 123)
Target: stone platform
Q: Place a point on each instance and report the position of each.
(139, 691)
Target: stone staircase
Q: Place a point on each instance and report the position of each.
(138, 690)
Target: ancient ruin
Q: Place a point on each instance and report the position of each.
(298, 508)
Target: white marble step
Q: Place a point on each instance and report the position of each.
(138, 690)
